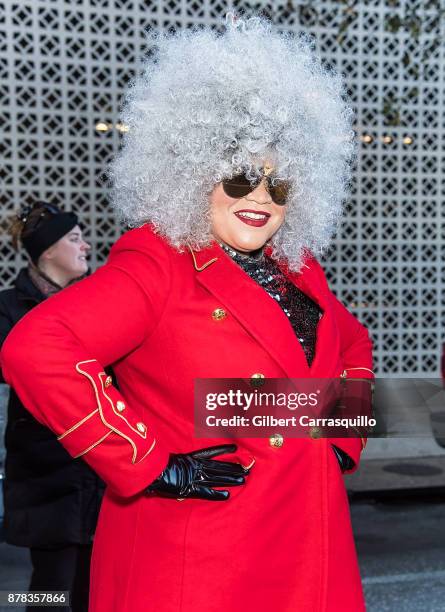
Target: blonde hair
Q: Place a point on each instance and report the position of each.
(20, 225)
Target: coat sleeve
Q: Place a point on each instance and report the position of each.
(55, 358)
(5, 328)
(356, 352)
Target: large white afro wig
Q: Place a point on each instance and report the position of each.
(209, 106)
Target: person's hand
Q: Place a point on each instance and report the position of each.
(193, 475)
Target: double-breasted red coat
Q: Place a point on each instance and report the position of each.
(283, 541)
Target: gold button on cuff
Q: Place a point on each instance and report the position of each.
(219, 314)
(108, 381)
(315, 433)
(141, 427)
(276, 440)
(120, 406)
(257, 379)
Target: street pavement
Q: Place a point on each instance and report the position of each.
(401, 547)
(400, 542)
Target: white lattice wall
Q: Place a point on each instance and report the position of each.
(62, 70)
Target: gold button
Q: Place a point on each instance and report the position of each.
(276, 440)
(257, 379)
(141, 427)
(120, 406)
(108, 381)
(315, 433)
(219, 314)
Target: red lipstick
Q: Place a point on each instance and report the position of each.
(255, 218)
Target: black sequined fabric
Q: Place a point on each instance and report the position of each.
(303, 313)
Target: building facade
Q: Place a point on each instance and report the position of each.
(64, 65)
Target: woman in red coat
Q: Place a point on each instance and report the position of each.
(232, 173)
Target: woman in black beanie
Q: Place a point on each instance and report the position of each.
(51, 501)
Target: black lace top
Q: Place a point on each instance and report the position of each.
(303, 313)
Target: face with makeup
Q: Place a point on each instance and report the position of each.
(245, 223)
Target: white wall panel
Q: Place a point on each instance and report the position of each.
(64, 65)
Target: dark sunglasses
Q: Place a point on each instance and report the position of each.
(49, 207)
(23, 214)
(239, 186)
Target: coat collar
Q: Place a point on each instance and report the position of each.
(26, 290)
(216, 271)
(206, 257)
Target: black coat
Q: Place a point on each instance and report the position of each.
(50, 499)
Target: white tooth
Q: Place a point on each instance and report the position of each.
(249, 215)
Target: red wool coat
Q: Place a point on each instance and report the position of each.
(283, 541)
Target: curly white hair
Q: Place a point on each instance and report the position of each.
(209, 106)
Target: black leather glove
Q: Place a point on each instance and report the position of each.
(195, 474)
(345, 461)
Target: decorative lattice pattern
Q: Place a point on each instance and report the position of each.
(64, 65)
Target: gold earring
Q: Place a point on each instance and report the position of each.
(268, 169)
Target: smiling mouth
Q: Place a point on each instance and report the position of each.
(255, 218)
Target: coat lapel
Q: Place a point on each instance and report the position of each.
(257, 312)
(327, 348)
